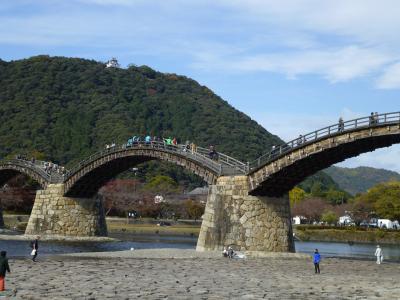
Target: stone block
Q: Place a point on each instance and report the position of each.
(233, 217)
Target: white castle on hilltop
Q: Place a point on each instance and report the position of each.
(113, 63)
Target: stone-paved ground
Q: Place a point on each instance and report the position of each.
(201, 278)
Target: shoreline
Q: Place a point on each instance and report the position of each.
(23, 237)
(174, 253)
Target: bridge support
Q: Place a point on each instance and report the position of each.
(249, 223)
(54, 214)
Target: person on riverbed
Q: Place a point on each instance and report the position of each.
(4, 267)
(35, 247)
(316, 261)
(378, 254)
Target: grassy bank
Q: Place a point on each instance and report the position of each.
(177, 229)
(346, 234)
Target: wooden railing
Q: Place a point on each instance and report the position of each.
(221, 165)
(332, 130)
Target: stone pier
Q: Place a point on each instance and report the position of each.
(54, 214)
(248, 223)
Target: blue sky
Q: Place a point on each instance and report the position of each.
(293, 66)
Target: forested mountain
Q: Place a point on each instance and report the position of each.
(359, 180)
(66, 108)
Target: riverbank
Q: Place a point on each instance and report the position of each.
(22, 237)
(346, 235)
(179, 229)
(198, 277)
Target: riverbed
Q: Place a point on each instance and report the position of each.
(158, 276)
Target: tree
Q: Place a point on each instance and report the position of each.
(1, 216)
(383, 200)
(361, 210)
(162, 184)
(121, 195)
(296, 195)
(329, 217)
(311, 209)
(387, 203)
(194, 209)
(336, 197)
(316, 189)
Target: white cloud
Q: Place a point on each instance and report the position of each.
(335, 65)
(338, 40)
(368, 21)
(390, 78)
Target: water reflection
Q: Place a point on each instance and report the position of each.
(360, 251)
(128, 241)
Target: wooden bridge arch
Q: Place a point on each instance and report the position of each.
(280, 170)
(13, 167)
(87, 177)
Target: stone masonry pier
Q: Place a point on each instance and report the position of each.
(248, 223)
(54, 214)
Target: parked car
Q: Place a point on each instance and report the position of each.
(163, 223)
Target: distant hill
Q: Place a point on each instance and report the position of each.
(323, 180)
(67, 108)
(359, 180)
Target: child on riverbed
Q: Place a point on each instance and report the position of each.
(316, 261)
(4, 267)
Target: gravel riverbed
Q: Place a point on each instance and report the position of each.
(186, 274)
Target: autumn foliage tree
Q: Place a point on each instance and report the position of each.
(194, 209)
(296, 195)
(382, 200)
(311, 209)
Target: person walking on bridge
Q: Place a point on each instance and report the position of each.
(340, 125)
(316, 261)
(4, 267)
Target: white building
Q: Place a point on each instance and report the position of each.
(159, 199)
(345, 220)
(296, 220)
(385, 223)
(113, 63)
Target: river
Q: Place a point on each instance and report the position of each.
(21, 248)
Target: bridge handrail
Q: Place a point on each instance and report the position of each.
(332, 130)
(225, 159)
(26, 163)
(200, 155)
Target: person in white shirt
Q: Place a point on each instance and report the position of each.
(378, 254)
(225, 252)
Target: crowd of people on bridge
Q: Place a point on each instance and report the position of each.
(47, 166)
(373, 118)
(188, 146)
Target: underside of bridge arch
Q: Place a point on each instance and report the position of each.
(87, 185)
(8, 174)
(282, 181)
(86, 182)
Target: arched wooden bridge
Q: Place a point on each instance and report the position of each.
(272, 174)
(89, 175)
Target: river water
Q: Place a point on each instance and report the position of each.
(128, 241)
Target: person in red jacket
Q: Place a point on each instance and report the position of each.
(4, 267)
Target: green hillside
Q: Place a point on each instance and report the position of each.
(359, 180)
(67, 108)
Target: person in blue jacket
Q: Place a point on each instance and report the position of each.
(316, 261)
